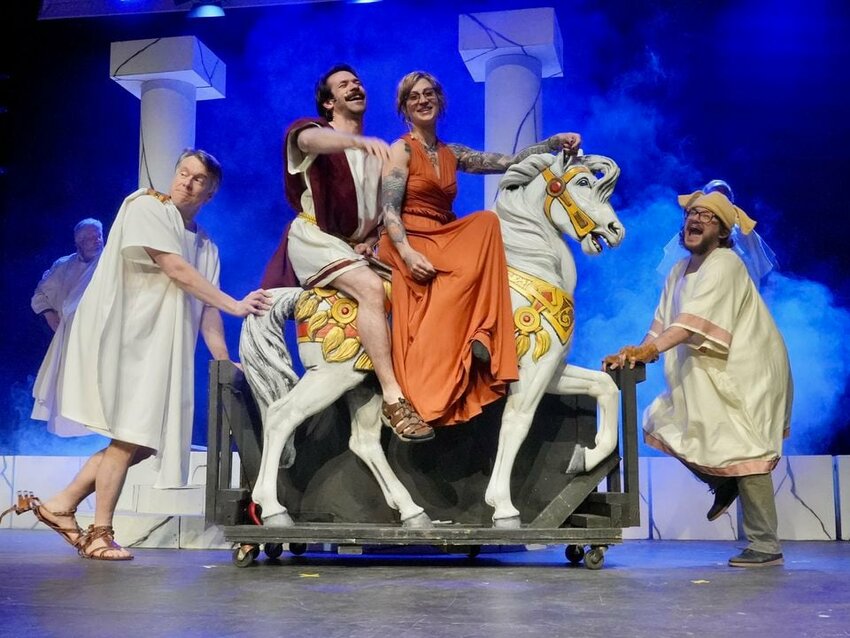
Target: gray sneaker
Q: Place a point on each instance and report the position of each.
(752, 558)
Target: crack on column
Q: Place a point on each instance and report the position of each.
(208, 74)
(490, 31)
(144, 159)
(137, 53)
(789, 474)
(6, 479)
(650, 523)
(525, 117)
(474, 57)
(202, 468)
(136, 542)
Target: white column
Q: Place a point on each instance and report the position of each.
(169, 76)
(511, 51)
(167, 127)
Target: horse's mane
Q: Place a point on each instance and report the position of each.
(523, 172)
(610, 174)
(527, 239)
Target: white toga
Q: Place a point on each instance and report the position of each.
(129, 372)
(316, 256)
(60, 290)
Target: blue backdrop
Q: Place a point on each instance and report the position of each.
(754, 92)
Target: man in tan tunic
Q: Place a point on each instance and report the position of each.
(727, 406)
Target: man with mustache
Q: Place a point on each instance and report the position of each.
(332, 180)
(727, 406)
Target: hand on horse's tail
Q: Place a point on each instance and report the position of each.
(256, 302)
(644, 353)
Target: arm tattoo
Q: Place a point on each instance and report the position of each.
(392, 195)
(482, 162)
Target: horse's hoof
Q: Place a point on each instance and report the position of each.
(577, 464)
(512, 522)
(420, 521)
(278, 520)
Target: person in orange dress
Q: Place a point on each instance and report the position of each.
(452, 322)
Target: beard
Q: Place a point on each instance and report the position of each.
(701, 248)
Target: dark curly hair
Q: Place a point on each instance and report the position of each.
(323, 91)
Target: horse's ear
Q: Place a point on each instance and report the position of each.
(572, 159)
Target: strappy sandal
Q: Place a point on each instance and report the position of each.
(28, 502)
(405, 422)
(105, 532)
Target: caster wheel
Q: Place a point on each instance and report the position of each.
(594, 558)
(245, 555)
(473, 550)
(273, 550)
(297, 548)
(574, 553)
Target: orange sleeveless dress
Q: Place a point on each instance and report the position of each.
(434, 324)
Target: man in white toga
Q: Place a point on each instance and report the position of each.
(129, 371)
(56, 297)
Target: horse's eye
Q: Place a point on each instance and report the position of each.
(555, 186)
(583, 182)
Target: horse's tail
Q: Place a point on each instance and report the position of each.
(262, 349)
(265, 358)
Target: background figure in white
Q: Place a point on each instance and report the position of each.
(753, 251)
(56, 298)
(129, 365)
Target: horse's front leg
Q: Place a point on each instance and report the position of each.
(365, 442)
(523, 398)
(315, 391)
(599, 385)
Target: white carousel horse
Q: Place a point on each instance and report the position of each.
(540, 199)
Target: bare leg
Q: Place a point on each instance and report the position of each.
(367, 289)
(117, 459)
(80, 487)
(111, 471)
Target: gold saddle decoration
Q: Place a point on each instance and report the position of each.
(333, 326)
(545, 301)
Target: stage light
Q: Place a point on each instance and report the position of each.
(209, 9)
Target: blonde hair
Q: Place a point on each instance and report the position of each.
(405, 86)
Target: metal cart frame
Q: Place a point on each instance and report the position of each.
(580, 516)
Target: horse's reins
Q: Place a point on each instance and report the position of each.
(556, 189)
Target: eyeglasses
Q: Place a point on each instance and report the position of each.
(427, 94)
(702, 216)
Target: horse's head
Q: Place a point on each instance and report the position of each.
(572, 192)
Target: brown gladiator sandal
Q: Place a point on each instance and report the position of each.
(28, 502)
(99, 553)
(405, 422)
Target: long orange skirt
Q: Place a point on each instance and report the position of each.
(434, 324)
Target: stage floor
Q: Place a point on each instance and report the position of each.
(657, 589)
